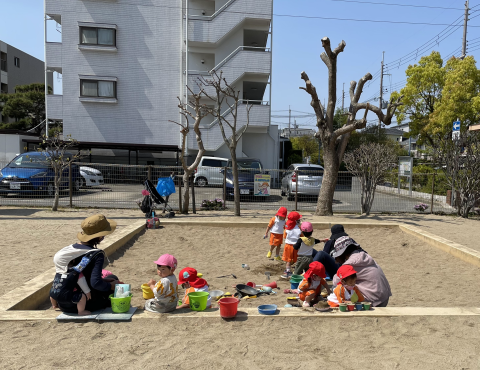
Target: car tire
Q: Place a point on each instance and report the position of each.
(78, 184)
(290, 197)
(282, 193)
(50, 189)
(201, 182)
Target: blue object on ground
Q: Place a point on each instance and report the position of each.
(76, 317)
(294, 285)
(109, 315)
(267, 309)
(165, 186)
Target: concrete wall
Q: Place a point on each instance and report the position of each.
(147, 65)
(10, 146)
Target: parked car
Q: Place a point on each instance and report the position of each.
(247, 169)
(29, 173)
(209, 171)
(91, 176)
(307, 179)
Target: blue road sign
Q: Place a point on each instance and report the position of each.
(456, 126)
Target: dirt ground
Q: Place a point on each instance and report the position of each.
(427, 343)
(419, 275)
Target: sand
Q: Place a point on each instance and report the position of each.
(427, 343)
(420, 275)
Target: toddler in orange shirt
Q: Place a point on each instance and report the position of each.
(276, 227)
(346, 289)
(311, 285)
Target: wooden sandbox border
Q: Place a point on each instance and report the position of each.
(20, 304)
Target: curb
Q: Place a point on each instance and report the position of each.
(36, 291)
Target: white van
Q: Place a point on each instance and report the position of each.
(209, 171)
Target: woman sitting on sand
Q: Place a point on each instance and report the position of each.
(371, 280)
(85, 258)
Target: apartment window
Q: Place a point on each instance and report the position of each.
(16, 62)
(4, 88)
(97, 36)
(98, 89)
(3, 62)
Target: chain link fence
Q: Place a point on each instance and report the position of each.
(120, 186)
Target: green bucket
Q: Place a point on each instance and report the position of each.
(120, 305)
(296, 278)
(198, 300)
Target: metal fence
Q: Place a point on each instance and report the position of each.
(120, 186)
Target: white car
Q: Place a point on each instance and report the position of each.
(91, 176)
(209, 171)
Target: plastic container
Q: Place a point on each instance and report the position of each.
(198, 300)
(267, 309)
(120, 305)
(252, 284)
(351, 307)
(272, 285)
(343, 307)
(296, 278)
(359, 306)
(294, 285)
(366, 306)
(228, 307)
(216, 294)
(147, 292)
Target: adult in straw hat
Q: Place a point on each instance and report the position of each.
(85, 259)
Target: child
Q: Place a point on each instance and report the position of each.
(189, 280)
(346, 289)
(78, 297)
(304, 246)
(291, 234)
(276, 226)
(166, 290)
(312, 283)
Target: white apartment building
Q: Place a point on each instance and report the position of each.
(125, 62)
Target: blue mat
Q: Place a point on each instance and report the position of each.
(109, 315)
(103, 315)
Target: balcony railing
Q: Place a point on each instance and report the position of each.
(244, 59)
(211, 135)
(212, 29)
(54, 54)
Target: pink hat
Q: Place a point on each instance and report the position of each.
(306, 226)
(167, 260)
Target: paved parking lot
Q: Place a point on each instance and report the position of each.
(125, 196)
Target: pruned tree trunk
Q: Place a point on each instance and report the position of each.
(186, 194)
(334, 142)
(236, 183)
(57, 181)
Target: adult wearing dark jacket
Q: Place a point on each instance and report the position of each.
(84, 257)
(324, 256)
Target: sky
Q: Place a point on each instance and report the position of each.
(297, 35)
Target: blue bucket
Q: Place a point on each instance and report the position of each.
(294, 285)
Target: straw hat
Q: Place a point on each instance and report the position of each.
(96, 226)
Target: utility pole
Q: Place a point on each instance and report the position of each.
(464, 44)
(289, 118)
(381, 94)
(343, 98)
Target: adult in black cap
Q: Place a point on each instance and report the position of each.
(324, 256)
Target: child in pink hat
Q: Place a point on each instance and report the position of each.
(166, 290)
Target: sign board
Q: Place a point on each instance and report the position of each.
(261, 186)
(456, 130)
(405, 166)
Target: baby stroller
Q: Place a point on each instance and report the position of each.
(152, 198)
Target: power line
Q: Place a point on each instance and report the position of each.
(404, 5)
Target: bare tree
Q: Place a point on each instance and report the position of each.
(334, 141)
(56, 156)
(370, 163)
(460, 159)
(226, 95)
(196, 111)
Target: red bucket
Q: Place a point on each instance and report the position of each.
(228, 307)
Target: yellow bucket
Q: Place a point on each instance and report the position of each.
(147, 292)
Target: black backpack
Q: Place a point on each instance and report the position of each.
(146, 205)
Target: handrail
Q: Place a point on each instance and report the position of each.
(242, 101)
(230, 56)
(214, 15)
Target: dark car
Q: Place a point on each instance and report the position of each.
(29, 173)
(247, 169)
